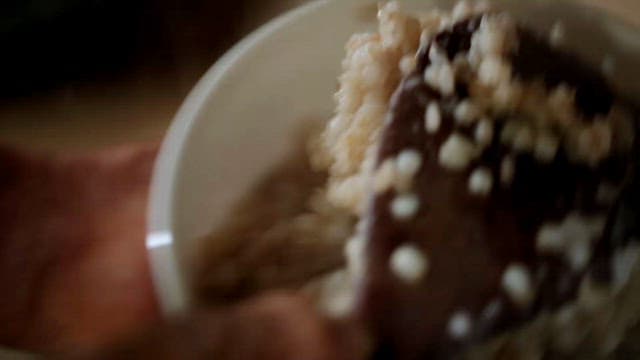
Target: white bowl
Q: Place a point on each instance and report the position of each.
(238, 120)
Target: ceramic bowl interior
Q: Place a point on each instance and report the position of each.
(239, 119)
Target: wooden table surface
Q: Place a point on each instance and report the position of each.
(137, 107)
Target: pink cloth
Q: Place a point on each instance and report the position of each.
(76, 279)
(72, 258)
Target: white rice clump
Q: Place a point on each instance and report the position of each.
(371, 72)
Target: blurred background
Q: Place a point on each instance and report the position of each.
(78, 74)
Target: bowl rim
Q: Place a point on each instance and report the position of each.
(167, 278)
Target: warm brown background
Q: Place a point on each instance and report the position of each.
(179, 40)
(91, 98)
